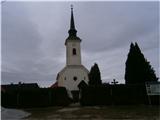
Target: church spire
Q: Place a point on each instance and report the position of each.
(72, 26)
(72, 32)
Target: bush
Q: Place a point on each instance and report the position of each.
(95, 95)
(35, 97)
(114, 94)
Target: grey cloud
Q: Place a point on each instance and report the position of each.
(10, 77)
(20, 39)
(33, 36)
(126, 22)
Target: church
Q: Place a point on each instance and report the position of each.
(74, 72)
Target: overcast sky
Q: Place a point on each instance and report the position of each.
(33, 36)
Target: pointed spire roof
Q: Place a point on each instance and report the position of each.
(72, 31)
(72, 26)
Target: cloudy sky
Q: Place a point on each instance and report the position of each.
(33, 36)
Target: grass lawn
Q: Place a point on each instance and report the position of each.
(133, 112)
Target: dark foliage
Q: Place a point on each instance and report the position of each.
(35, 97)
(95, 76)
(154, 99)
(138, 69)
(129, 94)
(113, 95)
(95, 95)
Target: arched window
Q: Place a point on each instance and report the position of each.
(74, 78)
(74, 51)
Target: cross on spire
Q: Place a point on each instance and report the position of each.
(71, 7)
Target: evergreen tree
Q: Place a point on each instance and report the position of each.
(95, 76)
(138, 69)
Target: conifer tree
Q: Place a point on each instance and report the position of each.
(95, 75)
(138, 69)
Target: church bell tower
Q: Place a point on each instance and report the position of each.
(74, 72)
(73, 48)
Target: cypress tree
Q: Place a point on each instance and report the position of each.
(138, 69)
(95, 75)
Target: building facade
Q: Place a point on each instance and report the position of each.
(74, 72)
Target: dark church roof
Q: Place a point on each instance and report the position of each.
(72, 31)
(54, 85)
(82, 84)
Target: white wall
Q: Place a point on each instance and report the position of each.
(73, 67)
(73, 59)
(69, 72)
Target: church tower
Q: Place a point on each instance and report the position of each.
(73, 50)
(74, 72)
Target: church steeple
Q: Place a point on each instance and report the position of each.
(74, 72)
(72, 32)
(72, 26)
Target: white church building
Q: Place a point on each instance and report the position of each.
(74, 72)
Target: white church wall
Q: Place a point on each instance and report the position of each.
(73, 59)
(66, 78)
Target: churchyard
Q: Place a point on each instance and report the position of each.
(134, 112)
